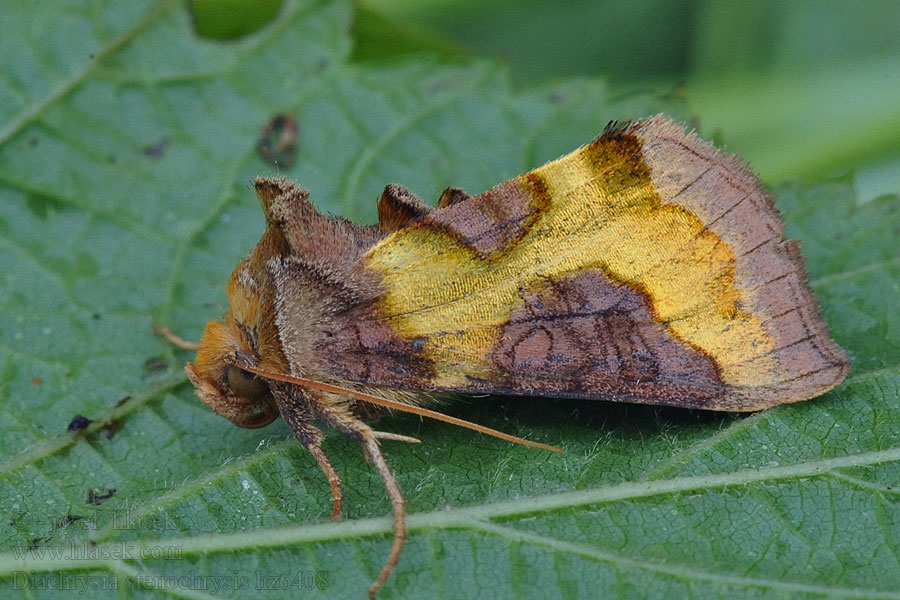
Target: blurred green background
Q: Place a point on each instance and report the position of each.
(807, 89)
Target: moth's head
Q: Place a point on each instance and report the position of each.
(219, 381)
(238, 395)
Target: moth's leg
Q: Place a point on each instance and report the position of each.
(178, 341)
(300, 419)
(398, 207)
(338, 413)
(451, 196)
(370, 446)
(334, 480)
(386, 435)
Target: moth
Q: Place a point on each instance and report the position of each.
(646, 266)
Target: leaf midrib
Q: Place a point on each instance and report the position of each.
(480, 518)
(463, 517)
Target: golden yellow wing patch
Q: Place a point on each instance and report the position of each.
(647, 259)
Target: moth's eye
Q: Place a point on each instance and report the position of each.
(244, 383)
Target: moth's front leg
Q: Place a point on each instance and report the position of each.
(300, 419)
(334, 480)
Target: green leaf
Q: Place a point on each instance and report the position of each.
(127, 146)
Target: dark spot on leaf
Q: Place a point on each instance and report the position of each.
(557, 97)
(78, 423)
(97, 497)
(37, 381)
(157, 150)
(278, 140)
(155, 364)
(32, 141)
(96, 316)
